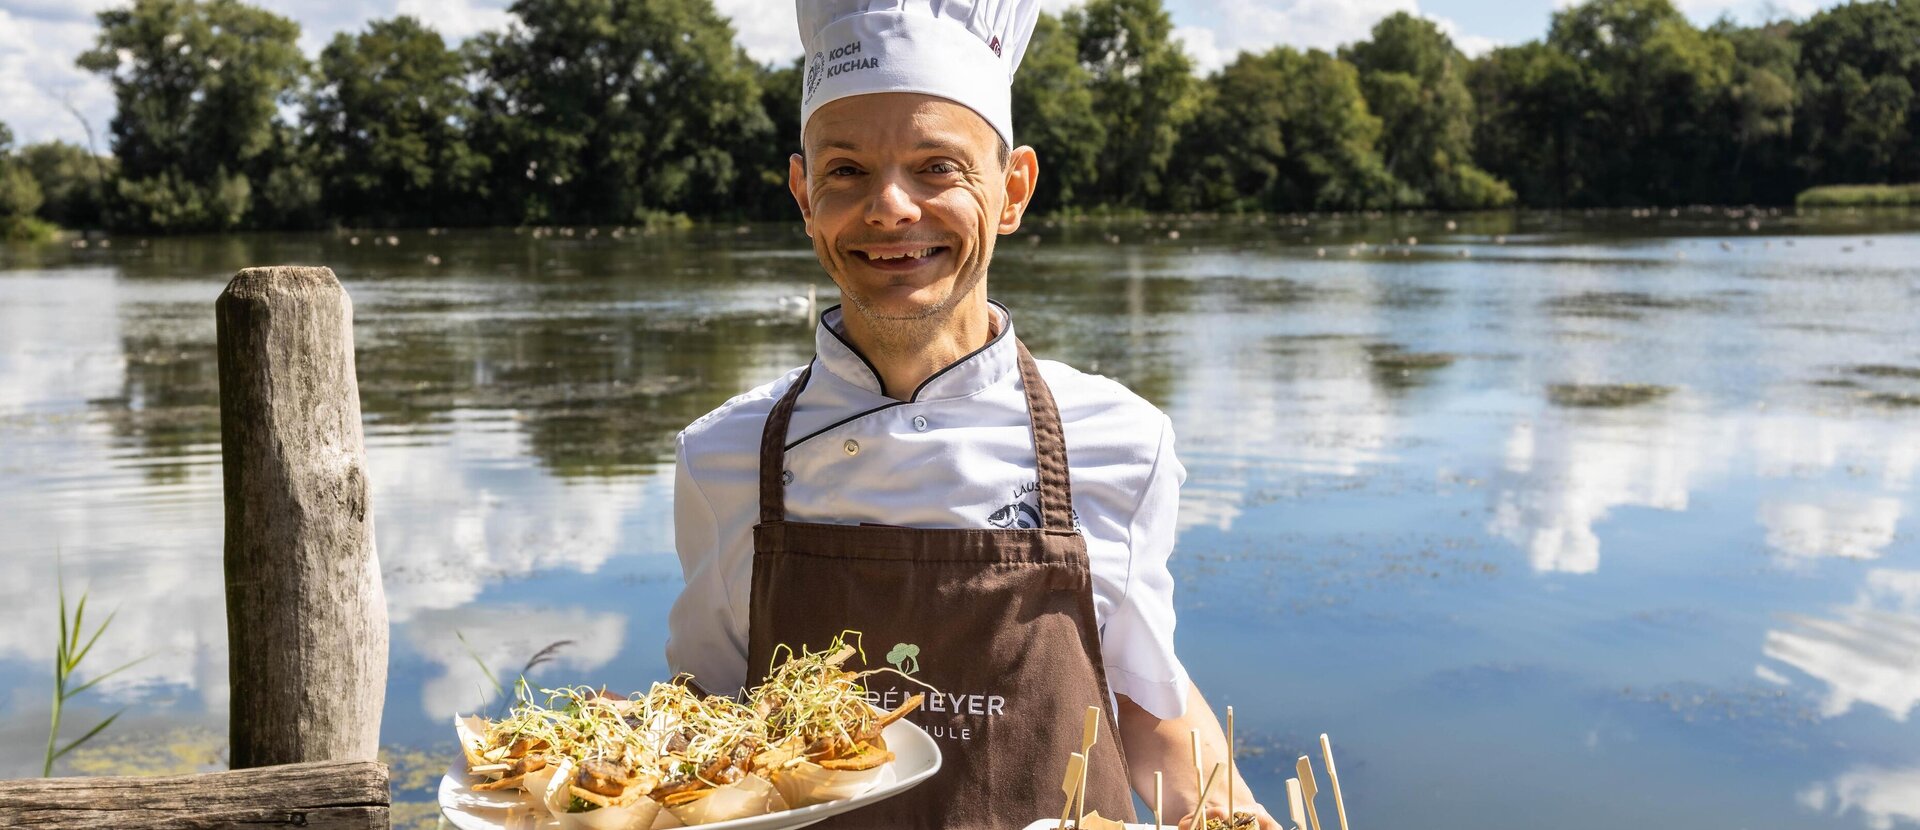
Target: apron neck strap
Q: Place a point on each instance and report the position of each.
(773, 452)
(1049, 446)
(1049, 449)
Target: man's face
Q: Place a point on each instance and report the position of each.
(903, 196)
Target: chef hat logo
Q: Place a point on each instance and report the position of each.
(994, 44)
(816, 68)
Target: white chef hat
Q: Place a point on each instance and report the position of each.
(961, 50)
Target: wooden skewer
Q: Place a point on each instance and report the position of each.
(1230, 767)
(1296, 810)
(1089, 735)
(1307, 789)
(1199, 774)
(1076, 765)
(1157, 776)
(1333, 779)
(1200, 806)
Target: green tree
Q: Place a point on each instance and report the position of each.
(1284, 130)
(1143, 91)
(1649, 77)
(762, 157)
(1415, 81)
(385, 124)
(1530, 104)
(19, 194)
(1859, 71)
(1053, 112)
(198, 85)
(614, 110)
(1757, 115)
(72, 180)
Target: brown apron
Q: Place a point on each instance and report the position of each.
(1001, 622)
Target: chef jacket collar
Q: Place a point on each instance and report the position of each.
(986, 366)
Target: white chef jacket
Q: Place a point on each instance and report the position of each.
(958, 454)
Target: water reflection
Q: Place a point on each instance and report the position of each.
(1866, 652)
(472, 646)
(1881, 797)
(1565, 474)
(1847, 525)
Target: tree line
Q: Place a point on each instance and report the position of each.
(646, 111)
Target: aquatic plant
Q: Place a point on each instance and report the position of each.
(66, 663)
(1865, 195)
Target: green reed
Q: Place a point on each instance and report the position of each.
(67, 663)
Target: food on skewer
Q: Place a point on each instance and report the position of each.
(1242, 820)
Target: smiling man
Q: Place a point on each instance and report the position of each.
(995, 527)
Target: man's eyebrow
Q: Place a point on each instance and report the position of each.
(839, 144)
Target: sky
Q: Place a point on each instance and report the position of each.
(41, 90)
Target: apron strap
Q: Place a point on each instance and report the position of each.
(1049, 449)
(773, 452)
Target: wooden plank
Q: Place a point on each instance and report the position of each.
(306, 615)
(329, 795)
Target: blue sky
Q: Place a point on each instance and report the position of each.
(40, 38)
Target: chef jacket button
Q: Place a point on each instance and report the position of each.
(853, 447)
(920, 422)
(786, 477)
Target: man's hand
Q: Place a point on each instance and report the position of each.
(1165, 746)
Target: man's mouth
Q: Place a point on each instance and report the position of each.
(898, 259)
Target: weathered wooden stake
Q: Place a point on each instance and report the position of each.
(306, 615)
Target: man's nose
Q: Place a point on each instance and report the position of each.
(892, 205)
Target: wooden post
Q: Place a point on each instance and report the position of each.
(306, 615)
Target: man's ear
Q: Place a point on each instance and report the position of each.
(797, 184)
(1023, 170)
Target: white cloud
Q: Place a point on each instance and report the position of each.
(1839, 524)
(1883, 796)
(1567, 472)
(767, 30)
(1201, 44)
(37, 74)
(1317, 24)
(1867, 652)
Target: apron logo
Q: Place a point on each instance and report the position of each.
(903, 655)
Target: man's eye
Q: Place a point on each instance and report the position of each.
(942, 167)
(844, 170)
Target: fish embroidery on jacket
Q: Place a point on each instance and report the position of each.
(1020, 515)
(1017, 515)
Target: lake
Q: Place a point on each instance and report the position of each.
(1550, 520)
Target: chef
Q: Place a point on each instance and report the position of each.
(995, 527)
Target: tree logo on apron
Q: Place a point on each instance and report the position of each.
(904, 655)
